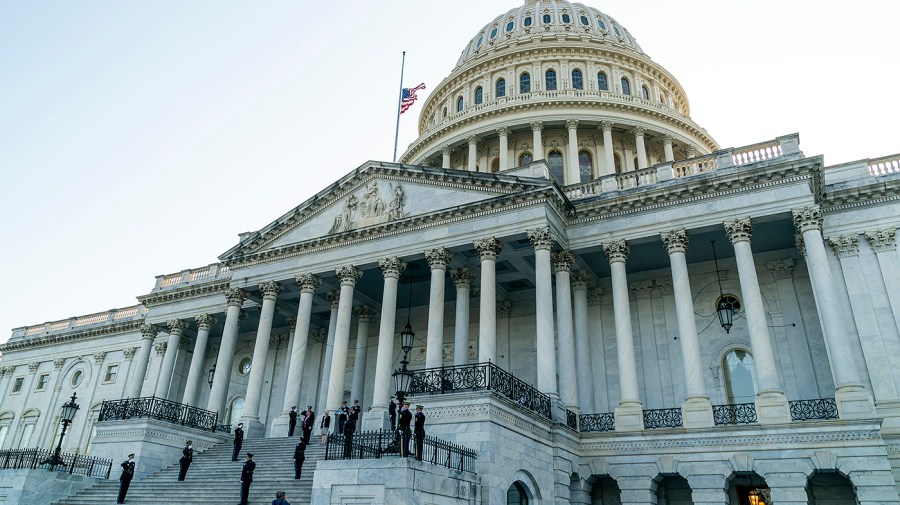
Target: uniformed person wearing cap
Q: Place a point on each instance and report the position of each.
(419, 432)
(403, 427)
(247, 478)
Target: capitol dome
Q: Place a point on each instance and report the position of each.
(562, 82)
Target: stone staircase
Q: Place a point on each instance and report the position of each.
(214, 479)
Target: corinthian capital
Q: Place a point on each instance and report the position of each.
(571, 124)
(391, 267)
(488, 248)
(472, 139)
(883, 240)
(675, 241)
(348, 274)
(58, 363)
(204, 321)
(176, 326)
(33, 366)
(638, 131)
(438, 258)
(334, 297)
(537, 126)
(99, 357)
(781, 269)
(446, 150)
(271, 290)
(808, 218)
(562, 260)
(503, 131)
(129, 352)
(363, 313)
(308, 282)
(235, 297)
(739, 230)
(616, 251)
(845, 245)
(149, 331)
(606, 126)
(462, 277)
(580, 280)
(540, 238)
(160, 348)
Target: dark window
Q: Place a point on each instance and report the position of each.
(566, 19)
(585, 21)
(479, 95)
(585, 166)
(459, 104)
(516, 495)
(601, 24)
(495, 165)
(494, 32)
(616, 29)
(547, 19)
(525, 83)
(602, 83)
(445, 112)
(43, 380)
(501, 87)
(555, 160)
(645, 92)
(480, 40)
(550, 80)
(17, 385)
(577, 79)
(527, 21)
(525, 158)
(626, 88)
(510, 26)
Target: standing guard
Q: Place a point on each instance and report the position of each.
(187, 456)
(419, 432)
(403, 428)
(125, 478)
(342, 416)
(308, 423)
(292, 423)
(299, 458)
(247, 478)
(238, 441)
(392, 413)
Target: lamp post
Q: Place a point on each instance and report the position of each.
(67, 414)
(403, 376)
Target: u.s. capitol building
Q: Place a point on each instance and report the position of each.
(666, 320)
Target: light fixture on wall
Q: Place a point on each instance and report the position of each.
(725, 305)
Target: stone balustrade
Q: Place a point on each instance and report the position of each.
(115, 315)
(203, 274)
(884, 166)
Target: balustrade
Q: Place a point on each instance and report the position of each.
(822, 408)
(884, 166)
(74, 464)
(377, 444)
(158, 408)
(663, 418)
(736, 413)
(694, 166)
(597, 422)
(757, 152)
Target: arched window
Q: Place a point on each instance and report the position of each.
(527, 21)
(510, 26)
(626, 87)
(617, 161)
(501, 88)
(525, 83)
(236, 410)
(616, 29)
(444, 113)
(493, 33)
(585, 21)
(459, 104)
(602, 82)
(585, 166)
(601, 24)
(547, 19)
(566, 19)
(740, 376)
(480, 41)
(662, 98)
(577, 79)
(645, 92)
(516, 494)
(525, 158)
(550, 80)
(495, 165)
(6, 420)
(555, 160)
(479, 95)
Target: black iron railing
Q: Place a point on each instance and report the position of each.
(480, 376)
(158, 408)
(735, 413)
(598, 422)
(74, 464)
(822, 408)
(663, 418)
(571, 419)
(378, 444)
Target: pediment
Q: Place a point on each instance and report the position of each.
(377, 195)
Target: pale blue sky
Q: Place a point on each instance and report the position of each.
(139, 138)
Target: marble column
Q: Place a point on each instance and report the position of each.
(308, 284)
(377, 417)
(148, 333)
(542, 240)
(363, 318)
(434, 348)
(573, 172)
(629, 413)
(771, 404)
(167, 367)
(445, 156)
(488, 249)
(537, 127)
(852, 398)
(250, 416)
(462, 279)
(667, 148)
(195, 373)
(580, 282)
(503, 132)
(608, 148)
(218, 395)
(640, 147)
(333, 298)
(349, 276)
(568, 376)
(696, 409)
(473, 153)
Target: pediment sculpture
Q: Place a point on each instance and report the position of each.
(370, 209)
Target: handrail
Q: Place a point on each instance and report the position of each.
(735, 413)
(663, 418)
(73, 464)
(376, 444)
(162, 409)
(820, 408)
(597, 422)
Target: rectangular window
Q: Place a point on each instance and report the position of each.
(111, 372)
(17, 385)
(43, 380)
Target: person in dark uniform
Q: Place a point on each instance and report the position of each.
(403, 428)
(293, 421)
(125, 478)
(238, 441)
(419, 432)
(342, 417)
(187, 456)
(308, 424)
(355, 411)
(392, 413)
(324, 427)
(349, 429)
(299, 458)
(247, 478)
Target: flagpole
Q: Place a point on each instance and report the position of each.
(399, 101)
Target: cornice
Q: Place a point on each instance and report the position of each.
(185, 293)
(62, 338)
(883, 192)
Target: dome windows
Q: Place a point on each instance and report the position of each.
(566, 19)
(601, 24)
(525, 83)
(459, 104)
(500, 88)
(602, 82)
(585, 166)
(479, 95)
(616, 30)
(527, 21)
(525, 158)
(547, 19)
(645, 92)
(550, 80)
(555, 161)
(444, 114)
(585, 21)
(626, 86)
(480, 41)
(493, 33)
(577, 79)
(510, 26)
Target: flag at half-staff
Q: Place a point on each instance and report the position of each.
(408, 97)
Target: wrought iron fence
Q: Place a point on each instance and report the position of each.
(822, 408)
(735, 413)
(75, 464)
(158, 408)
(476, 377)
(663, 418)
(381, 443)
(598, 422)
(571, 419)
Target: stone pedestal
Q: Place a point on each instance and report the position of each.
(772, 408)
(697, 412)
(854, 402)
(376, 419)
(629, 417)
(280, 425)
(256, 429)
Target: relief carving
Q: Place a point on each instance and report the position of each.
(373, 209)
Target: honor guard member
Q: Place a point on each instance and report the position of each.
(238, 441)
(187, 456)
(342, 416)
(419, 432)
(355, 410)
(403, 428)
(293, 421)
(392, 413)
(299, 458)
(324, 426)
(247, 478)
(308, 424)
(349, 429)
(125, 478)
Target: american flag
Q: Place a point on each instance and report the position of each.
(409, 97)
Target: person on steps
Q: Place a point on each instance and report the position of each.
(280, 499)
(247, 478)
(299, 458)
(292, 422)
(238, 441)
(324, 426)
(125, 478)
(187, 456)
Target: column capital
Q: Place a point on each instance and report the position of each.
(204, 321)
(462, 277)
(504, 308)
(739, 230)
(571, 124)
(59, 362)
(580, 280)
(845, 245)
(391, 267)
(675, 240)
(537, 126)
(271, 290)
(616, 251)
(882, 240)
(503, 131)
(808, 218)
(129, 352)
(438, 258)
(781, 269)
(595, 296)
(667, 139)
(292, 323)
(33, 366)
(541, 238)
(363, 313)
(308, 282)
(160, 348)
(176, 325)
(334, 297)
(562, 260)
(800, 244)
(446, 150)
(99, 357)
(638, 131)
(149, 331)
(235, 297)
(488, 248)
(606, 126)
(349, 275)
(472, 139)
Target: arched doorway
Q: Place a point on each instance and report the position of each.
(673, 489)
(517, 494)
(605, 491)
(748, 488)
(825, 488)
